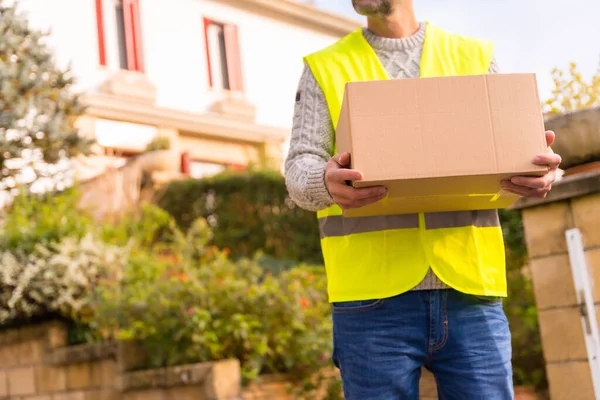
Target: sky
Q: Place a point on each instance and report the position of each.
(532, 36)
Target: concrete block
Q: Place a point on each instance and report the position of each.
(427, 385)
(562, 335)
(41, 397)
(78, 395)
(586, 215)
(224, 380)
(545, 227)
(31, 352)
(9, 355)
(21, 381)
(593, 261)
(102, 394)
(553, 282)
(144, 395)
(51, 379)
(570, 381)
(79, 376)
(57, 335)
(185, 393)
(3, 384)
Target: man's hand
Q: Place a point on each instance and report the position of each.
(540, 186)
(336, 175)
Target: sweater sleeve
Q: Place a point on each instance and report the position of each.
(494, 69)
(311, 146)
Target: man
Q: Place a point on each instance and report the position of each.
(403, 297)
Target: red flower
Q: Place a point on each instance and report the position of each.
(191, 311)
(304, 302)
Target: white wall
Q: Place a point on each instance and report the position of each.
(73, 34)
(175, 54)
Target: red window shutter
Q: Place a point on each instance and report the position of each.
(234, 67)
(100, 28)
(137, 35)
(132, 35)
(207, 23)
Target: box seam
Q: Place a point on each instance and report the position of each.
(489, 104)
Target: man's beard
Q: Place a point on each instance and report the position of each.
(373, 7)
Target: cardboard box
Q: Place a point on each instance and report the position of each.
(442, 144)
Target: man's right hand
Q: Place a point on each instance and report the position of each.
(336, 175)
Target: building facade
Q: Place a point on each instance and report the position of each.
(217, 77)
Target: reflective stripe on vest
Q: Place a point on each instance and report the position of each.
(377, 257)
(337, 225)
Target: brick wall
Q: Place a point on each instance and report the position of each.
(36, 364)
(572, 204)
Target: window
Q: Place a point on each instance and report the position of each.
(127, 22)
(223, 55)
(199, 169)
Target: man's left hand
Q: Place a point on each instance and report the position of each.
(537, 186)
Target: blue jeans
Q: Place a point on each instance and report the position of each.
(381, 345)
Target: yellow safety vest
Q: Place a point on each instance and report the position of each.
(377, 257)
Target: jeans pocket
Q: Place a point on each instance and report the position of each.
(354, 307)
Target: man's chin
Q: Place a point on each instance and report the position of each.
(372, 7)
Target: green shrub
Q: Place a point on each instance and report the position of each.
(189, 308)
(54, 280)
(248, 212)
(520, 307)
(158, 143)
(33, 220)
(52, 254)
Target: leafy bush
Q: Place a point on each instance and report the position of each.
(158, 143)
(248, 212)
(184, 307)
(34, 220)
(520, 307)
(54, 280)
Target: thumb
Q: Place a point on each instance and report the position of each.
(550, 136)
(344, 159)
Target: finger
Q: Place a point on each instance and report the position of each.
(368, 200)
(518, 190)
(362, 202)
(343, 175)
(351, 194)
(533, 183)
(550, 137)
(524, 191)
(531, 194)
(550, 159)
(342, 159)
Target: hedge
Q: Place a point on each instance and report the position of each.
(248, 211)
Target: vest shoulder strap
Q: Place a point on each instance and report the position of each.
(450, 54)
(350, 59)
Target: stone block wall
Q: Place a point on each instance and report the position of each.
(37, 364)
(573, 203)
